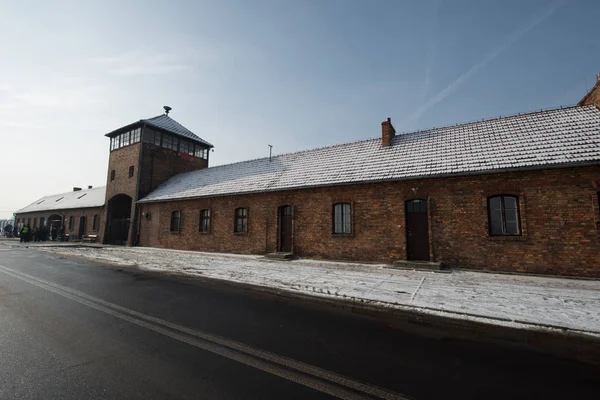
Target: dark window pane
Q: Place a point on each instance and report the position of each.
(167, 141)
(510, 202)
(148, 136)
(409, 206)
(495, 203)
(512, 228)
(511, 215)
(496, 226)
(157, 136)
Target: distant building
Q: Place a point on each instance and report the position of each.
(515, 194)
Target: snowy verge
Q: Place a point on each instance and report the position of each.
(508, 300)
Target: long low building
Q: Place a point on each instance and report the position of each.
(515, 194)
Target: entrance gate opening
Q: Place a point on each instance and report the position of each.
(285, 229)
(417, 230)
(55, 224)
(119, 219)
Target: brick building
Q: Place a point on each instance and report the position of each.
(516, 194)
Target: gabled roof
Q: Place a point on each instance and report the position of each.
(165, 123)
(559, 137)
(80, 199)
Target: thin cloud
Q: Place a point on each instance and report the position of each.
(511, 40)
(143, 63)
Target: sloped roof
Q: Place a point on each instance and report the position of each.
(559, 137)
(165, 123)
(80, 199)
(169, 124)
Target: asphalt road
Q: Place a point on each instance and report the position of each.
(70, 329)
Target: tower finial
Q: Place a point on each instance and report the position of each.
(167, 109)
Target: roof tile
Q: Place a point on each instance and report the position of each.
(540, 139)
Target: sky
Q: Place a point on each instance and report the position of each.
(293, 74)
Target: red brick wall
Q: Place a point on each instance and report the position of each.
(559, 214)
(76, 214)
(160, 164)
(120, 160)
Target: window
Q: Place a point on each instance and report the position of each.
(149, 136)
(184, 147)
(82, 196)
(131, 169)
(503, 214)
(342, 218)
(198, 151)
(34, 222)
(125, 139)
(167, 141)
(205, 221)
(95, 223)
(135, 135)
(157, 136)
(175, 221)
(241, 220)
(71, 222)
(112, 176)
(175, 144)
(42, 222)
(59, 199)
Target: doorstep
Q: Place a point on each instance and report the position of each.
(282, 256)
(419, 265)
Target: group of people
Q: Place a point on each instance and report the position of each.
(38, 234)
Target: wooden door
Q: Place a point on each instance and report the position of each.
(81, 226)
(285, 229)
(417, 230)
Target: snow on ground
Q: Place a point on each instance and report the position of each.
(508, 299)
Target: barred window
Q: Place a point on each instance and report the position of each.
(205, 221)
(241, 220)
(175, 221)
(342, 218)
(503, 215)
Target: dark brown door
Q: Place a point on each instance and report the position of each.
(285, 229)
(417, 230)
(81, 226)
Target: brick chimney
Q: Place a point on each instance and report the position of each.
(387, 132)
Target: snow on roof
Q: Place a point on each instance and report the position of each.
(559, 137)
(64, 201)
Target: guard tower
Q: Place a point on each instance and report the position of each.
(142, 156)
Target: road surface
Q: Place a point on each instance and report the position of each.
(70, 329)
